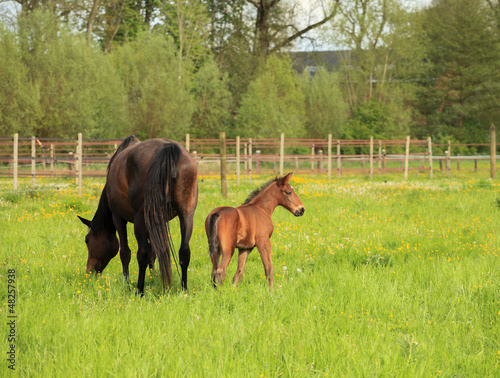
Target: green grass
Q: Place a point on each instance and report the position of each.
(382, 278)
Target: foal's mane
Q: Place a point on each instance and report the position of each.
(257, 191)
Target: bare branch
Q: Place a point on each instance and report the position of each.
(300, 33)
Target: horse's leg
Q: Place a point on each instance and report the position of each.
(242, 260)
(121, 227)
(264, 247)
(186, 222)
(143, 250)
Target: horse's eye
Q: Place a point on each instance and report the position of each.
(288, 193)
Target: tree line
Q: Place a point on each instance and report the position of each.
(158, 68)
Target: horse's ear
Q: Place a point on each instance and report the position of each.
(86, 222)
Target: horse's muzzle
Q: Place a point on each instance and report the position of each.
(299, 212)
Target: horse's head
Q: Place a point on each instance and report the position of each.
(102, 247)
(288, 198)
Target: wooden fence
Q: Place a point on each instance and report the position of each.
(51, 157)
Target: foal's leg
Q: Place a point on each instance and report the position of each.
(264, 247)
(121, 227)
(227, 253)
(215, 266)
(242, 260)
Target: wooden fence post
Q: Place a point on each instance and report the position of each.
(329, 163)
(188, 142)
(371, 158)
(245, 153)
(223, 166)
(282, 153)
(384, 161)
(250, 160)
(379, 157)
(238, 160)
(312, 160)
(33, 161)
(320, 162)
(448, 163)
(407, 157)
(339, 160)
(51, 159)
(493, 152)
(429, 148)
(16, 159)
(79, 164)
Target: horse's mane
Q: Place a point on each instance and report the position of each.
(257, 191)
(103, 218)
(126, 142)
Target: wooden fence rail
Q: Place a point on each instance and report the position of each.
(79, 158)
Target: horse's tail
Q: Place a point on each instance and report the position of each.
(126, 142)
(160, 181)
(213, 239)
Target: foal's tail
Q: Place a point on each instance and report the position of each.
(213, 239)
(160, 181)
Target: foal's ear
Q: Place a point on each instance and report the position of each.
(86, 222)
(285, 179)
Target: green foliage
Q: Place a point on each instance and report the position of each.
(157, 85)
(372, 119)
(325, 107)
(213, 102)
(55, 84)
(273, 103)
(463, 83)
(19, 102)
(185, 22)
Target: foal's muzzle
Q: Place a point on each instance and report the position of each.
(299, 212)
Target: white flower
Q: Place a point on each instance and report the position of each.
(285, 268)
(299, 271)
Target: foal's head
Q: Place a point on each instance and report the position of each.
(102, 247)
(287, 196)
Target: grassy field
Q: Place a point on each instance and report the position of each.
(382, 278)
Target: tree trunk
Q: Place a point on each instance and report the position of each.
(114, 24)
(90, 21)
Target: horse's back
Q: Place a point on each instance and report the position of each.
(127, 176)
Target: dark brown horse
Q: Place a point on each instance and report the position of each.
(148, 184)
(248, 226)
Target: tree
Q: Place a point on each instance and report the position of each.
(213, 102)
(459, 96)
(159, 100)
(62, 82)
(273, 104)
(19, 107)
(243, 33)
(276, 25)
(325, 108)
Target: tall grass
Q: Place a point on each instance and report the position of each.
(383, 278)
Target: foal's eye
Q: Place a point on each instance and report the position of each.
(288, 193)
